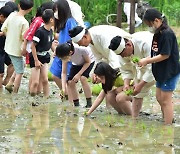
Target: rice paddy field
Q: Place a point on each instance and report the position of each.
(54, 127)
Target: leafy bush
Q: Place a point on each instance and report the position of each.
(95, 11)
(170, 8)
(173, 13)
(37, 3)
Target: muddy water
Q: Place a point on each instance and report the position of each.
(55, 127)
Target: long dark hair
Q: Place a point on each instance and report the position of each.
(64, 13)
(104, 69)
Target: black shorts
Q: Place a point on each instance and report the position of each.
(4, 59)
(75, 69)
(42, 59)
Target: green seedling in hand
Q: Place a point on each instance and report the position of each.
(135, 59)
(85, 113)
(129, 92)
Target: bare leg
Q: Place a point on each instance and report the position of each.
(136, 106)
(10, 70)
(57, 81)
(124, 102)
(29, 85)
(10, 84)
(73, 90)
(1, 79)
(44, 79)
(40, 86)
(11, 81)
(121, 103)
(86, 87)
(70, 97)
(17, 82)
(167, 106)
(35, 73)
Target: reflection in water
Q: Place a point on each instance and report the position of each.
(55, 127)
(80, 125)
(38, 127)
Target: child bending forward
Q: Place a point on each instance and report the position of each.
(82, 63)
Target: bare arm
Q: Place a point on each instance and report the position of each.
(64, 75)
(38, 64)
(155, 59)
(126, 84)
(24, 46)
(97, 102)
(54, 45)
(138, 87)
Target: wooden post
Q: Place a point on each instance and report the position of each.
(132, 17)
(119, 13)
(132, 14)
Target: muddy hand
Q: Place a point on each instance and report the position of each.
(62, 95)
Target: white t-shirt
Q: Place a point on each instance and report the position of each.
(79, 52)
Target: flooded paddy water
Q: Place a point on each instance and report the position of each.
(55, 127)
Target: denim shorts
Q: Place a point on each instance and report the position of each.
(18, 64)
(168, 85)
(42, 59)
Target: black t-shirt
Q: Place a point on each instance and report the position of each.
(43, 38)
(2, 42)
(165, 43)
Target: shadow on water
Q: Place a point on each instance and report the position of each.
(52, 126)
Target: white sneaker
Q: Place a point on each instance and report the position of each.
(138, 23)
